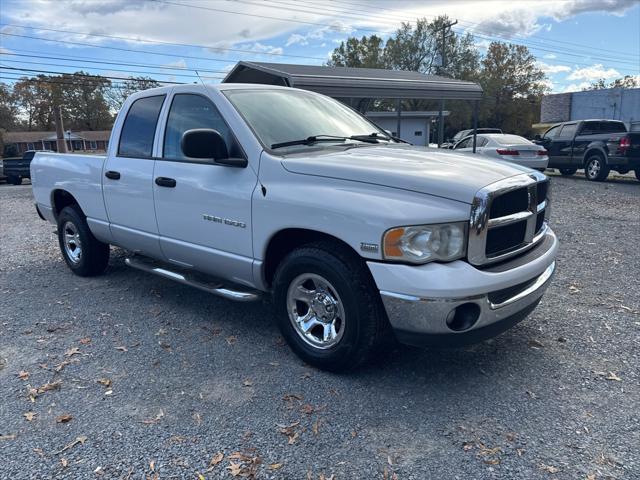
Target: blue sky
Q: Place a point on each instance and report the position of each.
(575, 41)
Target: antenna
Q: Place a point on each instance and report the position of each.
(200, 78)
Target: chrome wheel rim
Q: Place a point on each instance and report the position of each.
(71, 241)
(315, 310)
(593, 168)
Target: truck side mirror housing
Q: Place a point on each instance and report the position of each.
(207, 143)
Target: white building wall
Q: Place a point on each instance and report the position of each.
(412, 130)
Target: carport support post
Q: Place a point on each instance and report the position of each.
(441, 124)
(475, 124)
(399, 111)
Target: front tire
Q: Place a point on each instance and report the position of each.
(568, 171)
(329, 310)
(85, 255)
(595, 168)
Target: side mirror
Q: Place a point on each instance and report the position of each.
(207, 143)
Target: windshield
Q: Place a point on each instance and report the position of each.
(280, 116)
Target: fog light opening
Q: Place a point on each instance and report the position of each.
(463, 317)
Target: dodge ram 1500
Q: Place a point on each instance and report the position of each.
(252, 190)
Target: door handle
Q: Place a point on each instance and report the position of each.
(112, 175)
(165, 182)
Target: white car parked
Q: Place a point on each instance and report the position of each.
(511, 148)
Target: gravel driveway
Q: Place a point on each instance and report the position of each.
(131, 376)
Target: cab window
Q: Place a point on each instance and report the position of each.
(139, 128)
(568, 131)
(189, 111)
(552, 132)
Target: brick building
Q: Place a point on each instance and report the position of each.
(16, 143)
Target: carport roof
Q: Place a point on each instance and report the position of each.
(345, 82)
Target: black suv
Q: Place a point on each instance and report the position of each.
(598, 146)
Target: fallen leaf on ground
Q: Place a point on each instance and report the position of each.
(35, 392)
(201, 477)
(104, 381)
(122, 348)
(573, 289)
(466, 446)
(81, 439)
(535, 344)
(549, 468)
(288, 397)
(235, 469)
(613, 376)
(154, 420)
(289, 431)
(231, 340)
(216, 459)
(29, 416)
(274, 364)
(22, 375)
(10, 436)
(85, 341)
(275, 466)
(307, 408)
(60, 366)
(247, 383)
(64, 462)
(315, 427)
(64, 418)
(72, 351)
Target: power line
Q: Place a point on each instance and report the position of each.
(96, 77)
(468, 22)
(72, 58)
(531, 44)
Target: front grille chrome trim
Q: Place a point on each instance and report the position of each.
(480, 222)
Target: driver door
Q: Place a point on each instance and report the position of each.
(203, 209)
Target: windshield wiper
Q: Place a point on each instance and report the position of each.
(371, 138)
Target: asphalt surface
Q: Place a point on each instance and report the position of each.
(190, 380)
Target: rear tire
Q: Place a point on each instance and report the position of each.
(14, 179)
(85, 255)
(329, 309)
(568, 171)
(596, 168)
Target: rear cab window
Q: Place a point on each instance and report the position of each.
(139, 127)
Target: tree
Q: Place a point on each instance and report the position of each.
(366, 52)
(513, 87)
(84, 101)
(628, 81)
(116, 96)
(8, 108)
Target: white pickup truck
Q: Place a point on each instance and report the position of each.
(247, 190)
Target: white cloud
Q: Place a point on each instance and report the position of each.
(551, 69)
(296, 38)
(594, 72)
(177, 64)
(576, 87)
(550, 56)
(261, 48)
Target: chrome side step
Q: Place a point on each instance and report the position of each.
(193, 279)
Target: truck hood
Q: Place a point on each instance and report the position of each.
(455, 176)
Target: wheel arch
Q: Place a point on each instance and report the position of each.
(288, 239)
(60, 199)
(594, 149)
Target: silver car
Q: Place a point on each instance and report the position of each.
(503, 146)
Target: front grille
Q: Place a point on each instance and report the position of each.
(502, 239)
(507, 217)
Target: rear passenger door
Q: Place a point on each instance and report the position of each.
(203, 209)
(128, 179)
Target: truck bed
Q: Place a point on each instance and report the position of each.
(80, 175)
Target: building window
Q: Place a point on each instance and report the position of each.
(93, 145)
(417, 133)
(77, 144)
(30, 146)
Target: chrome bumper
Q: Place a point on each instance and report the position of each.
(427, 321)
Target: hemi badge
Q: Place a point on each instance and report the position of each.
(369, 247)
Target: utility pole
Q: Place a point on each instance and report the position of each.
(60, 142)
(443, 56)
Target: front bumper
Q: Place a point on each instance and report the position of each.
(419, 300)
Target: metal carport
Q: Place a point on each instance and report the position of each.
(361, 84)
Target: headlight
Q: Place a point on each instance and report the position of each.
(426, 243)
